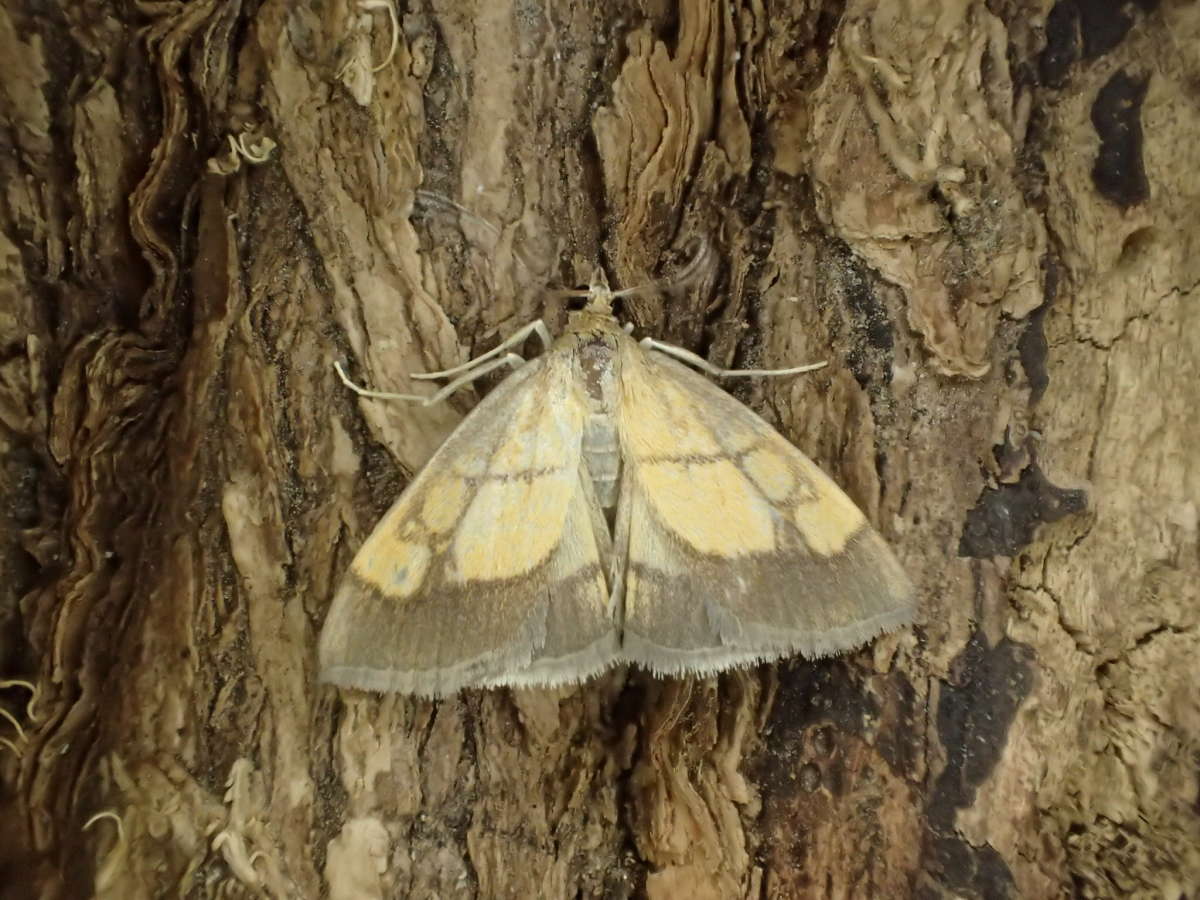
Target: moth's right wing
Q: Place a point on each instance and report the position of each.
(489, 569)
(736, 547)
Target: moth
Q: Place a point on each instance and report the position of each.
(606, 504)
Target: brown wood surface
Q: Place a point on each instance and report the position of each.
(986, 216)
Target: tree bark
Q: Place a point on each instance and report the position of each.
(985, 216)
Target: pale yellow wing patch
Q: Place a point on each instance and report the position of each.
(737, 519)
(445, 499)
(489, 568)
(530, 513)
(739, 548)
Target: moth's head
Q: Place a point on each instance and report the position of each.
(599, 296)
(596, 312)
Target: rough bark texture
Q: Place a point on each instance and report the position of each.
(985, 215)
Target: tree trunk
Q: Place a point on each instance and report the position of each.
(985, 216)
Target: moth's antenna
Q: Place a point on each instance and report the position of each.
(431, 200)
(698, 267)
(442, 203)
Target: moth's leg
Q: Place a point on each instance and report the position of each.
(510, 359)
(516, 339)
(704, 365)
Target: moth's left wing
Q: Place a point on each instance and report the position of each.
(489, 569)
(736, 547)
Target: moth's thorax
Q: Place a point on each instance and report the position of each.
(595, 319)
(592, 337)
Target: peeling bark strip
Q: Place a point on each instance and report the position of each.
(896, 191)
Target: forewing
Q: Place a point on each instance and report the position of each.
(488, 570)
(736, 547)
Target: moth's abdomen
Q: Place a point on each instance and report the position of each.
(602, 455)
(601, 444)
